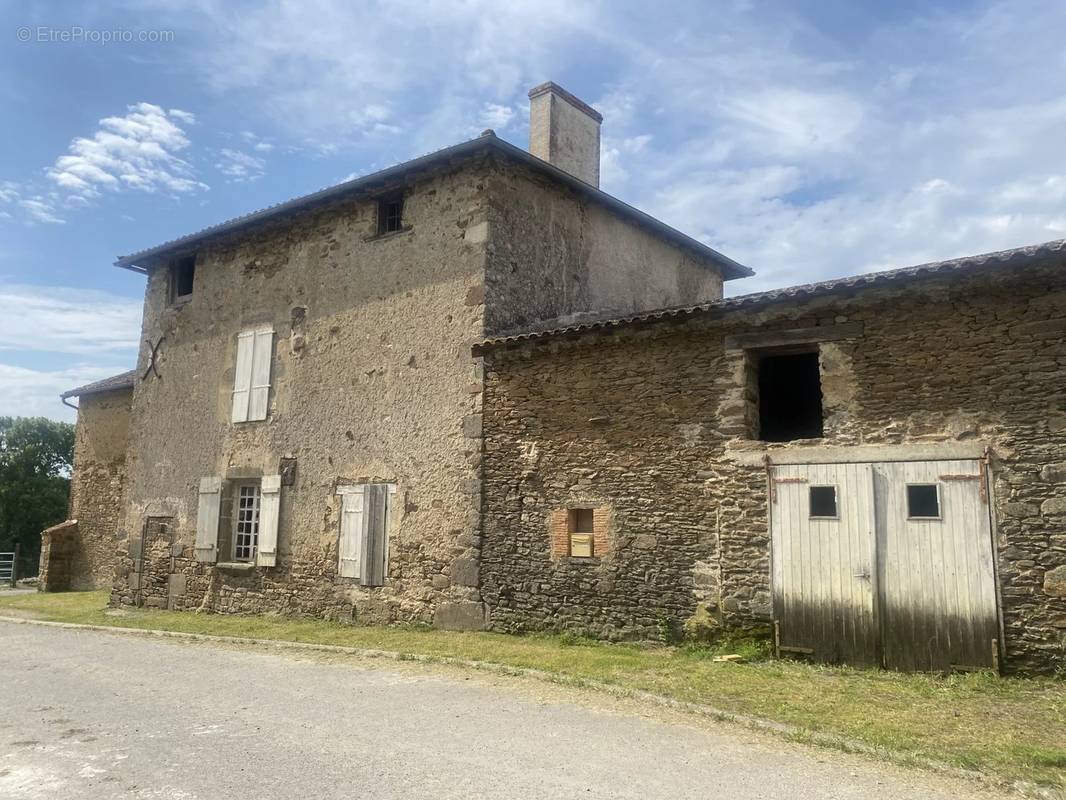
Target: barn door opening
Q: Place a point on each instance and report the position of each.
(885, 564)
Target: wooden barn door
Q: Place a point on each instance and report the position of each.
(885, 564)
(938, 595)
(823, 562)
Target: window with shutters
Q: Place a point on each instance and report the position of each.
(237, 521)
(251, 378)
(363, 546)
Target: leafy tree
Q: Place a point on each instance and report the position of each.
(36, 457)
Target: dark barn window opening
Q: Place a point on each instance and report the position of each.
(790, 397)
(390, 214)
(182, 275)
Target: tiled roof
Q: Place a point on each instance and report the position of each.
(1003, 258)
(124, 381)
(487, 141)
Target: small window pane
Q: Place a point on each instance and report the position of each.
(923, 501)
(823, 501)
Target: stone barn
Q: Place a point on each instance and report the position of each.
(873, 468)
(476, 391)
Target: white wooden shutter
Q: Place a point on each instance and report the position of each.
(251, 376)
(269, 507)
(260, 385)
(352, 526)
(242, 376)
(207, 520)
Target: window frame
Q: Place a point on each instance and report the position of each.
(173, 268)
(939, 502)
(386, 219)
(836, 502)
(239, 488)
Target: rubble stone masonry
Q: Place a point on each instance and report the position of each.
(654, 423)
(96, 488)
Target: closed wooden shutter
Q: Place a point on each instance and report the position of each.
(351, 537)
(207, 508)
(251, 378)
(376, 530)
(261, 358)
(269, 508)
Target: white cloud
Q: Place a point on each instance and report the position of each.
(496, 116)
(67, 320)
(240, 166)
(40, 210)
(137, 151)
(35, 393)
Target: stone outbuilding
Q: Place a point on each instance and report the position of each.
(80, 553)
(873, 468)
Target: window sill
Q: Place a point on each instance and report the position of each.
(179, 302)
(377, 237)
(582, 561)
(236, 567)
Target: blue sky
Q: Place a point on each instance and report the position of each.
(805, 139)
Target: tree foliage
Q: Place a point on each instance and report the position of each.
(36, 457)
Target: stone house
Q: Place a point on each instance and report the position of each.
(305, 427)
(475, 390)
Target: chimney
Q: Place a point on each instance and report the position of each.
(565, 132)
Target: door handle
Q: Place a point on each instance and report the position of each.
(864, 575)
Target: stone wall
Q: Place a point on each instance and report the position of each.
(372, 378)
(554, 253)
(62, 561)
(97, 484)
(655, 423)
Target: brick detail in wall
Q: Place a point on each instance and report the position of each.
(559, 532)
(601, 519)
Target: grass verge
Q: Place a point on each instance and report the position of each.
(1008, 729)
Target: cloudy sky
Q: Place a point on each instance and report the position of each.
(805, 138)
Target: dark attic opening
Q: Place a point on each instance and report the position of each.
(790, 397)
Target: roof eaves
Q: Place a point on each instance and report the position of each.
(124, 380)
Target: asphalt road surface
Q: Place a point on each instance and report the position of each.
(97, 715)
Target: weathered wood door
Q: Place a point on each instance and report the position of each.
(823, 557)
(936, 573)
(887, 563)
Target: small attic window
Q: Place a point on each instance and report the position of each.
(182, 273)
(390, 214)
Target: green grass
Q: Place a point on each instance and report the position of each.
(1010, 729)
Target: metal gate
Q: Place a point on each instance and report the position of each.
(885, 564)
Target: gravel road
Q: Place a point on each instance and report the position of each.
(97, 715)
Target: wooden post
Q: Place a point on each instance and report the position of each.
(15, 565)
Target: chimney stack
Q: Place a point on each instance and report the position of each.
(565, 132)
